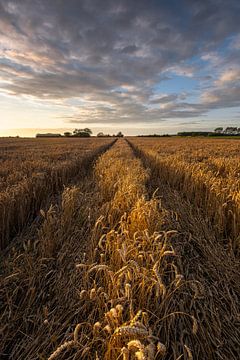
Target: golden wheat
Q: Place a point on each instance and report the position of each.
(206, 172)
(33, 170)
(112, 274)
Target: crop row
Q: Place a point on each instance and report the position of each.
(206, 172)
(31, 171)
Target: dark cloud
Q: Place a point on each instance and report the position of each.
(130, 49)
(113, 53)
(164, 99)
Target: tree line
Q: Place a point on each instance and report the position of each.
(86, 132)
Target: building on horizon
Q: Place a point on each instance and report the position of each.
(48, 135)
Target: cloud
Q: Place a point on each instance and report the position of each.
(221, 98)
(164, 99)
(112, 56)
(183, 70)
(130, 49)
(235, 44)
(225, 91)
(229, 76)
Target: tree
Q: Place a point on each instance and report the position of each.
(218, 130)
(87, 130)
(67, 134)
(231, 130)
(82, 132)
(119, 134)
(100, 134)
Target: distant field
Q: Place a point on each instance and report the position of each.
(233, 137)
(134, 253)
(236, 137)
(227, 137)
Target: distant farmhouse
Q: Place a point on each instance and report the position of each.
(48, 135)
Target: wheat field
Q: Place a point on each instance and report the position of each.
(124, 249)
(30, 171)
(207, 172)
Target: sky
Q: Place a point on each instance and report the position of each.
(136, 66)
